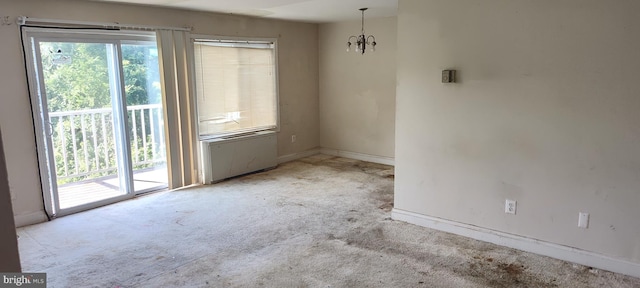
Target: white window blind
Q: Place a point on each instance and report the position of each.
(235, 86)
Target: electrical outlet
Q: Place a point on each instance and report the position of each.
(293, 138)
(510, 206)
(583, 220)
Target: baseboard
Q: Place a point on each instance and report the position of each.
(557, 251)
(30, 219)
(359, 156)
(299, 155)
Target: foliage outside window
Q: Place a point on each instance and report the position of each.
(78, 87)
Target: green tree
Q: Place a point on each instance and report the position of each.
(82, 83)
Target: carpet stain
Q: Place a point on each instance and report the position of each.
(512, 269)
(387, 207)
(479, 269)
(383, 197)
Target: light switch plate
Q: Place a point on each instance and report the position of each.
(448, 76)
(583, 220)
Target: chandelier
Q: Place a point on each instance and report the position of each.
(361, 40)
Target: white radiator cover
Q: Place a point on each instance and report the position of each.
(228, 157)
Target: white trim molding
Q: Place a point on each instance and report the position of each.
(549, 249)
(30, 219)
(359, 156)
(296, 156)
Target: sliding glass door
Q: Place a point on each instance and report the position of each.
(80, 101)
(99, 118)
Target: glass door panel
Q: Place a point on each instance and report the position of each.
(145, 116)
(80, 84)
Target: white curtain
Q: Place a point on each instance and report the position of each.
(174, 57)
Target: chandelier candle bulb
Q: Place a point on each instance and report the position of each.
(361, 40)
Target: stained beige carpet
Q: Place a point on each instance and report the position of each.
(318, 222)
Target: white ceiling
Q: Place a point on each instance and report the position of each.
(317, 11)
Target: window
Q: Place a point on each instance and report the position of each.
(236, 86)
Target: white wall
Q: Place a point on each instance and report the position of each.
(358, 92)
(8, 242)
(547, 112)
(298, 68)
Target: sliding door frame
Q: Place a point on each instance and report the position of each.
(32, 37)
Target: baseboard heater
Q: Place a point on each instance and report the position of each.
(232, 156)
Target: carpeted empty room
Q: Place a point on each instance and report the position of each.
(321, 221)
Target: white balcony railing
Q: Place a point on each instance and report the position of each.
(84, 145)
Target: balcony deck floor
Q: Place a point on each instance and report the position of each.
(75, 194)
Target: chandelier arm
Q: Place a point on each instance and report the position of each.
(369, 37)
